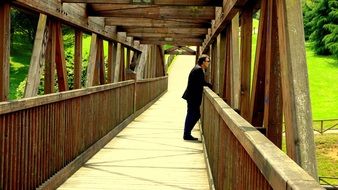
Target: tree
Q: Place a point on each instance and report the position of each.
(323, 24)
(23, 25)
(331, 40)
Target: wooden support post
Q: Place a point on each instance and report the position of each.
(117, 63)
(128, 58)
(5, 32)
(78, 59)
(110, 77)
(37, 61)
(227, 73)
(257, 94)
(114, 54)
(295, 86)
(50, 59)
(60, 60)
(208, 71)
(246, 46)
(235, 64)
(100, 62)
(92, 61)
(222, 43)
(216, 66)
(273, 108)
(122, 65)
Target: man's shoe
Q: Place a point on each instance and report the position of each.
(190, 138)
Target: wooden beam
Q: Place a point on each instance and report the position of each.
(154, 2)
(148, 22)
(230, 8)
(100, 62)
(92, 60)
(74, 15)
(221, 43)
(235, 63)
(273, 107)
(122, 65)
(33, 79)
(118, 62)
(192, 31)
(175, 42)
(258, 85)
(295, 86)
(60, 60)
(78, 59)
(110, 77)
(153, 12)
(5, 32)
(246, 48)
(50, 59)
(161, 35)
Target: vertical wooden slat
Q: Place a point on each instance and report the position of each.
(246, 45)
(78, 59)
(110, 77)
(227, 73)
(235, 64)
(295, 86)
(92, 60)
(221, 41)
(257, 95)
(36, 62)
(5, 31)
(118, 62)
(273, 108)
(60, 59)
(96, 80)
(216, 66)
(50, 58)
(102, 64)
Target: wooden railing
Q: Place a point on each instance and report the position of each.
(148, 89)
(240, 157)
(41, 136)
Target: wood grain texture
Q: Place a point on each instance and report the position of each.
(4, 50)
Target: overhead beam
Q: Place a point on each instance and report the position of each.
(148, 22)
(175, 42)
(160, 35)
(74, 15)
(154, 2)
(230, 9)
(191, 31)
(149, 11)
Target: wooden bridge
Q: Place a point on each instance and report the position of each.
(130, 112)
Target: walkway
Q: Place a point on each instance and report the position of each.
(150, 153)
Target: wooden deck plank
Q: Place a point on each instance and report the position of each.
(150, 153)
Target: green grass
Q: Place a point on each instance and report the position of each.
(20, 59)
(323, 79)
(326, 154)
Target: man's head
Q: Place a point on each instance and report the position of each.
(203, 61)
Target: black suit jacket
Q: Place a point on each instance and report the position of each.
(194, 90)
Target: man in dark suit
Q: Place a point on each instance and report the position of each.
(193, 95)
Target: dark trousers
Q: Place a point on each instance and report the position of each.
(193, 115)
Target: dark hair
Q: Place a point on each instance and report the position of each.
(202, 58)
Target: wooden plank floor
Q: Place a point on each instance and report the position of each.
(150, 153)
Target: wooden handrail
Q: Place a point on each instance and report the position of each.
(45, 139)
(256, 161)
(25, 103)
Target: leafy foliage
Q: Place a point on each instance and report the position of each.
(321, 25)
